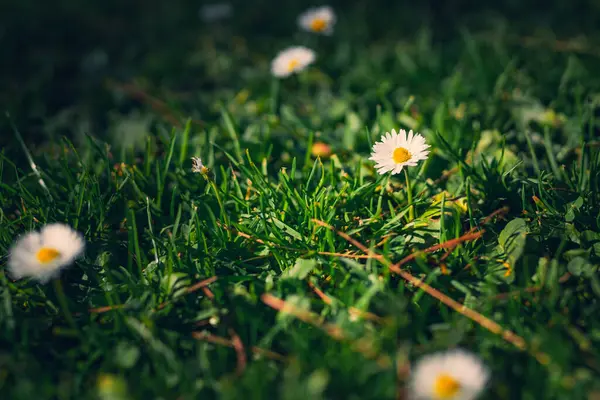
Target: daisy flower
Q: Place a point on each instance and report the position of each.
(197, 166)
(290, 60)
(41, 255)
(318, 20)
(397, 150)
(451, 375)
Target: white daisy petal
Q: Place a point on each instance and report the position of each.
(452, 375)
(397, 150)
(198, 166)
(42, 255)
(292, 60)
(318, 20)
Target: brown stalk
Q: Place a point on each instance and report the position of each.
(209, 337)
(362, 346)
(189, 289)
(100, 310)
(345, 255)
(240, 352)
(208, 293)
(498, 212)
(483, 321)
(450, 244)
(352, 310)
(201, 284)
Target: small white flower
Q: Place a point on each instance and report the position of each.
(41, 255)
(451, 375)
(318, 20)
(215, 12)
(197, 166)
(397, 150)
(292, 59)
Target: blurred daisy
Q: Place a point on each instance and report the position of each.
(397, 150)
(41, 255)
(215, 12)
(197, 166)
(292, 59)
(318, 20)
(451, 375)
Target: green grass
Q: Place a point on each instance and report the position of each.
(510, 195)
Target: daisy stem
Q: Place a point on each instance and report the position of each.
(62, 300)
(218, 196)
(411, 209)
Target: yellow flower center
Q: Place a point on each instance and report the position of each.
(401, 155)
(446, 387)
(318, 24)
(47, 254)
(293, 64)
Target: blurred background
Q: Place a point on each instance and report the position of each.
(64, 63)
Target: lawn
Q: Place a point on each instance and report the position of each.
(288, 266)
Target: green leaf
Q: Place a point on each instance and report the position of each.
(580, 267)
(288, 229)
(301, 268)
(126, 355)
(512, 240)
(574, 206)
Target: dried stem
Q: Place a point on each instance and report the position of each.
(483, 321)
